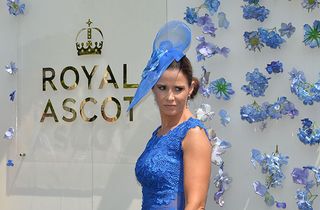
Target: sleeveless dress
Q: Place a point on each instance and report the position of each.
(159, 169)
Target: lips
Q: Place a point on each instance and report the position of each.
(170, 106)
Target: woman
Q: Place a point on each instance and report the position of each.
(174, 169)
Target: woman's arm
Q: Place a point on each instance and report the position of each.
(197, 168)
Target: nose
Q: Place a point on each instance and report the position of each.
(170, 95)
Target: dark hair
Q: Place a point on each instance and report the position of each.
(185, 66)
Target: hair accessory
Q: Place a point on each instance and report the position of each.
(169, 45)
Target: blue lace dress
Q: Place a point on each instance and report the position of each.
(159, 169)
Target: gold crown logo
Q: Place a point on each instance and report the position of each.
(90, 46)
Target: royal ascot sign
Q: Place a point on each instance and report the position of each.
(49, 82)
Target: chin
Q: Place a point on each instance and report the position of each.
(171, 112)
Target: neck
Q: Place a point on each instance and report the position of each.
(168, 122)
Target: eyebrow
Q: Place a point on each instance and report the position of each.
(175, 85)
(178, 85)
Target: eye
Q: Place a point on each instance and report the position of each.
(179, 89)
(161, 87)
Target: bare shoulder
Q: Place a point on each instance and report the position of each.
(196, 138)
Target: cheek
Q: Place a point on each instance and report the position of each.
(182, 98)
(157, 96)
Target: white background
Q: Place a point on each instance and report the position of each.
(83, 165)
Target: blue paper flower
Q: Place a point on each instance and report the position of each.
(304, 197)
(281, 205)
(204, 20)
(12, 95)
(11, 68)
(306, 92)
(258, 39)
(253, 40)
(255, 113)
(222, 181)
(224, 51)
(271, 165)
(219, 148)
(300, 175)
(316, 172)
(252, 1)
(209, 29)
(310, 4)
(9, 134)
(271, 38)
(281, 107)
(204, 80)
(309, 133)
(258, 83)
(204, 113)
(223, 22)
(207, 49)
(312, 34)
(204, 91)
(287, 29)
(207, 26)
(224, 117)
(212, 5)
(221, 89)
(274, 67)
(191, 15)
(259, 188)
(10, 163)
(15, 8)
(259, 13)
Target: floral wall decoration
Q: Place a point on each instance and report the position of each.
(15, 7)
(309, 133)
(253, 10)
(310, 5)
(254, 112)
(208, 19)
(307, 92)
(220, 87)
(222, 180)
(271, 165)
(305, 197)
(312, 34)
(256, 40)
(274, 67)
(258, 83)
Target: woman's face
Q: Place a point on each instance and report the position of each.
(171, 92)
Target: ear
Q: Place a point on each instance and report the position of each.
(191, 88)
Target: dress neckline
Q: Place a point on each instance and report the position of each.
(171, 130)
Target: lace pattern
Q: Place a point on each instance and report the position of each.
(159, 169)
